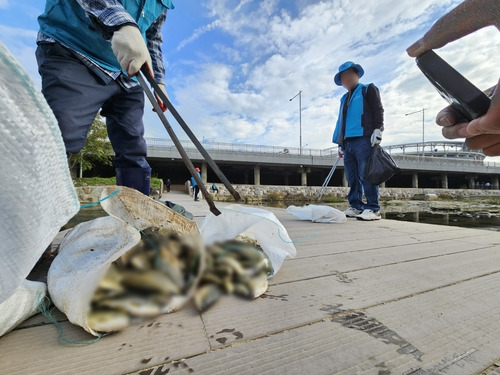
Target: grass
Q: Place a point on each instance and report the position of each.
(103, 181)
(333, 199)
(273, 197)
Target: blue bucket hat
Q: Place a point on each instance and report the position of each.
(344, 67)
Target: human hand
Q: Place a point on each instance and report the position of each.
(130, 49)
(162, 105)
(482, 133)
(376, 137)
(469, 16)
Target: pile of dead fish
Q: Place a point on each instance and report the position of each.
(165, 265)
(237, 266)
(144, 280)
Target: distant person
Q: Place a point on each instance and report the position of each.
(168, 184)
(194, 185)
(482, 133)
(359, 128)
(87, 54)
(215, 189)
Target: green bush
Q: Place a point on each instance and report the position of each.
(103, 181)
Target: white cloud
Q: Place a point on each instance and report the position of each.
(4, 4)
(22, 44)
(280, 53)
(197, 33)
(17, 32)
(247, 99)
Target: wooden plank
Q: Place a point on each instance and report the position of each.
(38, 350)
(457, 327)
(322, 348)
(423, 290)
(294, 304)
(304, 267)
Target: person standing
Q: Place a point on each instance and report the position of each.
(168, 184)
(359, 128)
(194, 185)
(88, 54)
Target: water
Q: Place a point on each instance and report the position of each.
(458, 214)
(85, 214)
(452, 213)
(480, 220)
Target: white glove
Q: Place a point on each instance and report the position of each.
(130, 49)
(376, 137)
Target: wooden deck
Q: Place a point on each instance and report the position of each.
(384, 297)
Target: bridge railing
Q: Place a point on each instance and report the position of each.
(162, 144)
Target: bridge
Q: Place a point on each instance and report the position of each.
(430, 164)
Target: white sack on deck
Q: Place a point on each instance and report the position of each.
(37, 195)
(256, 223)
(317, 213)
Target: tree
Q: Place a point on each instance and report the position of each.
(97, 149)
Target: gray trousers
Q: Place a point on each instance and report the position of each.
(75, 94)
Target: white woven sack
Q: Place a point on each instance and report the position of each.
(21, 305)
(84, 257)
(317, 213)
(37, 195)
(259, 224)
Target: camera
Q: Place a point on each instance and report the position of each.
(464, 97)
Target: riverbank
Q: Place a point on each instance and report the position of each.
(252, 194)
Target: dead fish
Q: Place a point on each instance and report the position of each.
(111, 281)
(257, 285)
(137, 249)
(209, 277)
(242, 290)
(266, 266)
(209, 262)
(243, 252)
(102, 294)
(134, 305)
(215, 249)
(206, 296)
(223, 271)
(108, 321)
(141, 261)
(160, 299)
(171, 246)
(173, 271)
(246, 239)
(152, 280)
(232, 264)
(228, 285)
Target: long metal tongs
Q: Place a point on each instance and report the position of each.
(177, 143)
(190, 134)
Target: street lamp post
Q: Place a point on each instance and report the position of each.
(423, 127)
(300, 119)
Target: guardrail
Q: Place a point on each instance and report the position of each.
(239, 147)
(162, 143)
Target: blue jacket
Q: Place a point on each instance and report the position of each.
(68, 23)
(193, 181)
(363, 115)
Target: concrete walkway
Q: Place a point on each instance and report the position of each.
(384, 297)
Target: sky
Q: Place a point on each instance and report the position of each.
(233, 65)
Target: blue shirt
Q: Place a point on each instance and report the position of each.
(108, 16)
